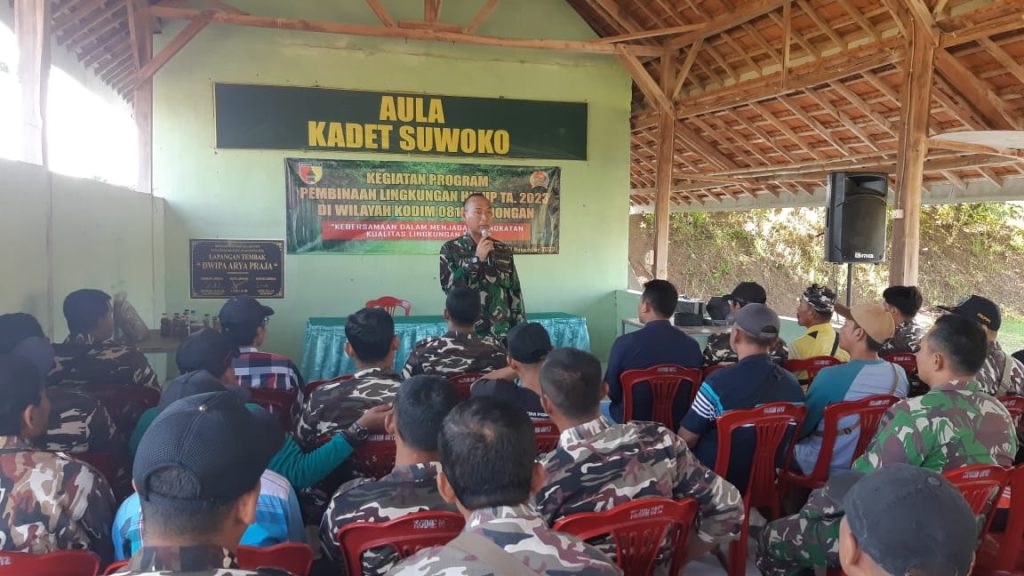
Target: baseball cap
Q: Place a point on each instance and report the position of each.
(205, 350)
(872, 318)
(821, 298)
(980, 309)
(907, 518)
(759, 320)
(748, 293)
(528, 343)
(243, 310)
(194, 383)
(212, 438)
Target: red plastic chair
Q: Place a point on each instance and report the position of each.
(547, 436)
(406, 535)
(63, 563)
(665, 380)
(870, 411)
(391, 304)
(310, 386)
(125, 403)
(291, 556)
(463, 382)
(773, 424)
(115, 567)
(980, 485)
(905, 360)
(280, 403)
(375, 458)
(715, 368)
(1015, 406)
(1001, 551)
(811, 367)
(639, 529)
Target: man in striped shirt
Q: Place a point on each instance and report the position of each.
(244, 321)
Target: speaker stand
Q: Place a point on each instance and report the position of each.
(849, 284)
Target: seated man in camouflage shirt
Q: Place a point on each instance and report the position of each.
(488, 472)
(528, 346)
(1002, 374)
(903, 303)
(87, 357)
(599, 465)
(954, 425)
(48, 502)
(422, 403)
(718, 349)
(460, 350)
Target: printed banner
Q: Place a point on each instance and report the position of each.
(225, 268)
(296, 118)
(355, 207)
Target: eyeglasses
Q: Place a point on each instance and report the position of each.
(266, 321)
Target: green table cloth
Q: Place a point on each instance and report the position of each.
(324, 357)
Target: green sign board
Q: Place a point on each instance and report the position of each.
(295, 118)
(357, 207)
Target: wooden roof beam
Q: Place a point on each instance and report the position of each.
(1012, 65)
(650, 34)
(843, 119)
(480, 16)
(647, 84)
(822, 131)
(855, 13)
(728, 21)
(173, 47)
(824, 26)
(69, 17)
(764, 137)
(700, 145)
(684, 70)
(977, 92)
(619, 16)
(382, 13)
(988, 28)
(432, 10)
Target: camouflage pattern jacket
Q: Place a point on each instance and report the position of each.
(993, 377)
(521, 532)
(190, 560)
(455, 353)
(81, 362)
(80, 423)
(599, 465)
(406, 490)
(333, 407)
(719, 351)
(50, 502)
(501, 296)
(950, 427)
(906, 339)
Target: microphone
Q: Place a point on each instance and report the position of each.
(485, 233)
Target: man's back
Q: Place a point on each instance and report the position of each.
(819, 340)
(521, 533)
(256, 369)
(190, 561)
(719, 351)
(950, 427)
(1002, 374)
(49, 502)
(83, 363)
(455, 353)
(906, 339)
(406, 490)
(80, 423)
(334, 407)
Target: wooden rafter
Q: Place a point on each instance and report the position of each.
(684, 70)
(650, 34)
(750, 11)
(174, 46)
(382, 13)
(647, 84)
(480, 16)
(977, 92)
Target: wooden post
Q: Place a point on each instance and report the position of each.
(913, 151)
(32, 31)
(142, 97)
(666, 149)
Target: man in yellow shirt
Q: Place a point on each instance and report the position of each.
(814, 313)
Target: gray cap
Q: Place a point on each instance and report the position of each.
(759, 320)
(907, 518)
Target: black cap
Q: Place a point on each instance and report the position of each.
(194, 383)
(907, 518)
(205, 350)
(243, 311)
(981, 310)
(213, 438)
(747, 293)
(528, 343)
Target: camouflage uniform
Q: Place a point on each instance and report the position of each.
(406, 490)
(993, 377)
(719, 351)
(950, 427)
(599, 465)
(191, 560)
(521, 532)
(50, 502)
(501, 296)
(333, 407)
(906, 339)
(81, 362)
(455, 353)
(79, 423)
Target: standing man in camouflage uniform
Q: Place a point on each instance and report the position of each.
(903, 303)
(198, 478)
(1002, 374)
(48, 502)
(422, 403)
(954, 425)
(480, 262)
(599, 465)
(87, 357)
(460, 350)
(488, 471)
(718, 349)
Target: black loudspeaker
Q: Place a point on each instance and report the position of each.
(855, 217)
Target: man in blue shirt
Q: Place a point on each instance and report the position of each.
(751, 382)
(867, 328)
(658, 342)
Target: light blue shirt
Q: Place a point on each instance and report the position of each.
(278, 519)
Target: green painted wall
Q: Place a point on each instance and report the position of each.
(240, 194)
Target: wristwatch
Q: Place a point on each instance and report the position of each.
(356, 434)
(475, 260)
